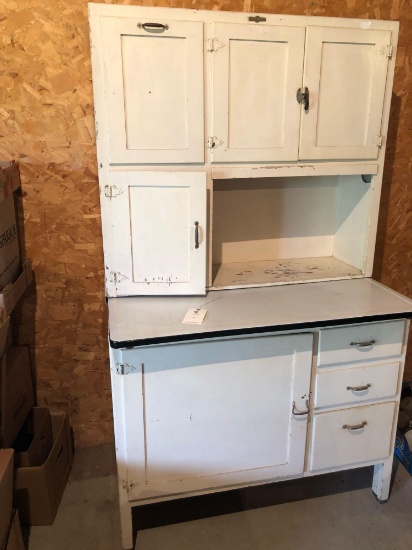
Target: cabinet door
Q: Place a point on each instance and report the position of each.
(256, 73)
(153, 90)
(216, 413)
(159, 232)
(345, 72)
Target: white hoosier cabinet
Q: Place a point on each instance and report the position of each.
(240, 168)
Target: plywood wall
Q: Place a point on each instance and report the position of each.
(46, 122)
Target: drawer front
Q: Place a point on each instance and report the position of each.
(354, 385)
(333, 445)
(360, 342)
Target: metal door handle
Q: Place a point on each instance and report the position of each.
(196, 234)
(153, 27)
(297, 413)
(355, 427)
(363, 344)
(302, 96)
(358, 388)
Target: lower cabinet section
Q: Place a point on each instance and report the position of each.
(216, 413)
(350, 436)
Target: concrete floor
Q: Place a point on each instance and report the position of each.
(332, 512)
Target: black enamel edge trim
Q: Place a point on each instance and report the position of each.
(254, 330)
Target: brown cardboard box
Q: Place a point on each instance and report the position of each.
(15, 540)
(10, 257)
(4, 335)
(6, 492)
(38, 490)
(16, 393)
(35, 440)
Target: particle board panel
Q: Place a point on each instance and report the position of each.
(46, 122)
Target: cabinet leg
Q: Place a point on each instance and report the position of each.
(126, 525)
(382, 475)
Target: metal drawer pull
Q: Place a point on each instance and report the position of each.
(159, 27)
(355, 427)
(359, 388)
(196, 234)
(302, 97)
(363, 344)
(297, 413)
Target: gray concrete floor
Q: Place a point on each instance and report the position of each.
(331, 512)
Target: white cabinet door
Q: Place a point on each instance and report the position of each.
(153, 86)
(216, 413)
(159, 232)
(345, 72)
(256, 73)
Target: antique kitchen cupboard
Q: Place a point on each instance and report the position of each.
(240, 167)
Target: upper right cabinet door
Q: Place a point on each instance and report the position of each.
(345, 73)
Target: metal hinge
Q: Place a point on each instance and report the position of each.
(213, 142)
(213, 44)
(390, 52)
(116, 277)
(112, 191)
(124, 368)
(380, 141)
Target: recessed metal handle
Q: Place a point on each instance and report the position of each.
(158, 27)
(355, 427)
(363, 344)
(302, 97)
(196, 234)
(359, 388)
(298, 413)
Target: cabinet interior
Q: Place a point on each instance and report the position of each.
(268, 231)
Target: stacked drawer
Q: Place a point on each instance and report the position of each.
(356, 394)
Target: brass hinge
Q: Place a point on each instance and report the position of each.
(213, 44)
(390, 52)
(380, 141)
(213, 142)
(112, 191)
(125, 368)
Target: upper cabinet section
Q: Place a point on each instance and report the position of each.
(256, 72)
(345, 75)
(153, 90)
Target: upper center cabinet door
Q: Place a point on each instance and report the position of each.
(153, 73)
(256, 73)
(345, 73)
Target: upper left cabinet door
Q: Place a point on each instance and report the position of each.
(153, 90)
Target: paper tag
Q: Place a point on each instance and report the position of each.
(194, 316)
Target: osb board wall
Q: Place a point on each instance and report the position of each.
(46, 122)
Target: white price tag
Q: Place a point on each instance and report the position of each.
(194, 316)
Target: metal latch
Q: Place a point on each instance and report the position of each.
(213, 142)
(213, 44)
(390, 52)
(124, 368)
(257, 18)
(380, 141)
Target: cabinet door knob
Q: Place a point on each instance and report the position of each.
(363, 344)
(156, 27)
(358, 388)
(297, 413)
(302, 96)
(355, 426)
(196, 234)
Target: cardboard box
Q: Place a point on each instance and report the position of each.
(5, 335)
(35, 440)
(6, 492)
(9, 178)
(12, 292)
(38, 490)
(9, 237)
(16, 393)
(15, 540)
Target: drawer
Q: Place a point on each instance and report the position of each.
(360, 342)
(334, 445)
(352, 385)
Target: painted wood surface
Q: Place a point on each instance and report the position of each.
(47, 124)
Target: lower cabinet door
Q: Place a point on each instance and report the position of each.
(350, 436)
(216, 413)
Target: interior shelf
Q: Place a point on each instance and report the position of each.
(271, 272)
